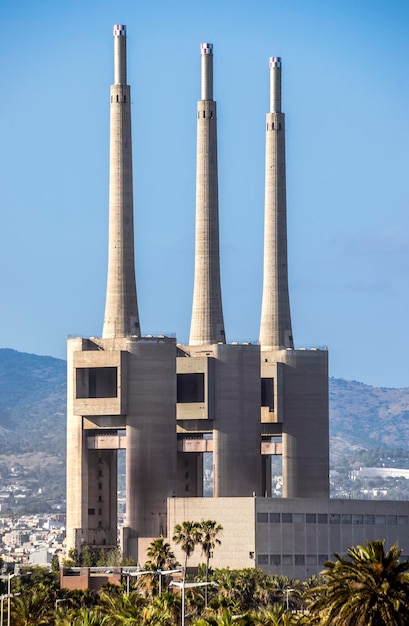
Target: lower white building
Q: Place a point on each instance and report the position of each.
(290, 536)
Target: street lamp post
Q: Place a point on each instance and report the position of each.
(287, 591)
(8, 596)
(158, 572)
(184, 585)
(4, 595)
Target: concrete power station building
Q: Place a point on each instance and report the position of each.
(168, 404)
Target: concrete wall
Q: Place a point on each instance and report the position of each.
(236, 515)
(302, 409)
(143, 409)
(230, 411)
(294, 537)
(290, 536)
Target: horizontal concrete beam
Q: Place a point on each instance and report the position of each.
(106, 442)
(206, 445)
(195, 445)
(271, 447)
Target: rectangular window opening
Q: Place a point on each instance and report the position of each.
(97, 382)
(267, 393)
(190, 387)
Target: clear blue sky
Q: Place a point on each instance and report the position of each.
(346, 99)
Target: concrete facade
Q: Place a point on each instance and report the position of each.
(228, 410)
(291, 536)
(294, 382)
(296, 407)
(167, 405)
(121, 395)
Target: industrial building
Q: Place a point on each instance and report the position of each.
(168, 404)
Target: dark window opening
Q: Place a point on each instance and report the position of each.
(91, 511)
(279, 126)
(97, 382)
(287, 518)
(124, 98)
(117, 98)
(204, 113)
(272, 126)
(190, 387)
(267, 393)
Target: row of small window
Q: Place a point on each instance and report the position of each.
(299, 559)
(292, 559)
(332, 518)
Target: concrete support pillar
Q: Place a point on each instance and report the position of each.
(266, 475)
(190, 475)
(151, 435)
(237, 429)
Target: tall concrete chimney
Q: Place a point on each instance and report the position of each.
(121, 309)
(207, 326)
(275, 327)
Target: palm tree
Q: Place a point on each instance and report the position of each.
(33, 607)
(121, 608)
(208, 540)
(225, 618)
(86, 617)
(188, 535)
(277, 615)
(161, 558)
(164, 611)
(368, 587)
(160, 555)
